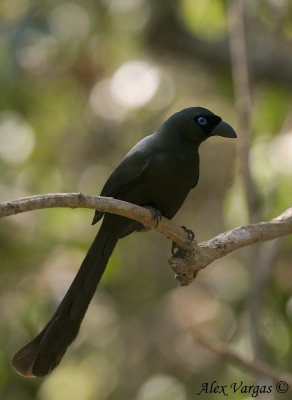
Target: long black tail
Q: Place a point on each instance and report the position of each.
(46, 350)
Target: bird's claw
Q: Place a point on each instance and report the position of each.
(156, 214)
(190, 233)
(177, 251)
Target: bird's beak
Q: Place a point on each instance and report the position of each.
(225, 130)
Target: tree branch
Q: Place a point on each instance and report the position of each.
(105, 204)
(191, 257)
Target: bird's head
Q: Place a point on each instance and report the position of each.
(198, 124)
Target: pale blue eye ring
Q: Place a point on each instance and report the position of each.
(202, 121)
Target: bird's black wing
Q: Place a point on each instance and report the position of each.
(129, 172)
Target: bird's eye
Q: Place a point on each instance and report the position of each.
(202, 121)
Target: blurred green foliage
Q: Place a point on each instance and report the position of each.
(205, 18)
(81, 83)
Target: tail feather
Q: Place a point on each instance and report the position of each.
(45, 351)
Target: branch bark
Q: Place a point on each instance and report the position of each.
(191, 257)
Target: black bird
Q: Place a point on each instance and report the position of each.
(158, 172)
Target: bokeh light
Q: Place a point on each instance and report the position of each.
(134, 84)
(37, 51)
(69, 22)
(103, 104)
(77, 381)
(162, 387)
(17, 138)
(280, 153)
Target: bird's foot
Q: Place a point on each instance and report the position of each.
(178, 251)
(156, 214)
(183, 261)
(184, 264)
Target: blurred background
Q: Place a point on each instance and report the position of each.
(81, 83)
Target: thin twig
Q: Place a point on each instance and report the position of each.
(246, 235)
(259, 367)
(240, 76)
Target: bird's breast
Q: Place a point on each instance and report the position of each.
(169, 180)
